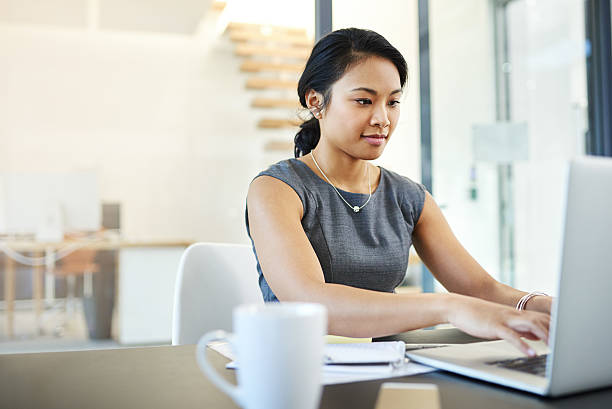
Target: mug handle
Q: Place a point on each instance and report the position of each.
(218, 335)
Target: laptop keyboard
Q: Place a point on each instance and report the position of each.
(535, 365)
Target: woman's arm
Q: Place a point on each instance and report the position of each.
(455, 268)
(293, 272)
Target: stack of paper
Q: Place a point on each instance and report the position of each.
(355, 362)
(364, 357)
(367, 361)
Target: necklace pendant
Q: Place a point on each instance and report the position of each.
(356, 209)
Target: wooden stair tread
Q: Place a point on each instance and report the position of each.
(261, 102)
(275, 123)
(258, 66)
(248, 50)
(278, 146)
(218, 5)
(255, 36)
(263, 83)
(266, 28)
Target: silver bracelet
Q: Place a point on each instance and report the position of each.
(523, 301)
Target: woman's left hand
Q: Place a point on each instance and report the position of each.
(541, 303)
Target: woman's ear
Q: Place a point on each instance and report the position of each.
(314, 102)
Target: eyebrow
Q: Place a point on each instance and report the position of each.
(373, 92)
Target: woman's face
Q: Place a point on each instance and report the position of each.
(363, 109)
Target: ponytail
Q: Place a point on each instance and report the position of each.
(307, 137)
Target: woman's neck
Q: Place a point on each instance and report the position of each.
(346, 172)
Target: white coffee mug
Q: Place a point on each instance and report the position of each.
(279, 354)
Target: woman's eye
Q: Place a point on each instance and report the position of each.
(363, 101)
(394, 103)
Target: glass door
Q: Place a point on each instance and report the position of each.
(508, 111)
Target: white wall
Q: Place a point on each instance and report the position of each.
(164, 119)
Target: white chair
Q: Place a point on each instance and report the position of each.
(212, 279)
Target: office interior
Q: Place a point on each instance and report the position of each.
(130, 130)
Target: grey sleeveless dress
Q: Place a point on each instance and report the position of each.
(368, 249)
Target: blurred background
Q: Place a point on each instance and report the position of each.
(131, 129)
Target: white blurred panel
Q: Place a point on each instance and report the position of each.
(30, 200)
(68, 13)
(146, 293)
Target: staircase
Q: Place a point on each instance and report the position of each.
(273, 57)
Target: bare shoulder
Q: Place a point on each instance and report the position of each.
(267, 193)
(431, 211)
(285, 254)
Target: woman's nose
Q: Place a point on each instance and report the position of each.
(380, 118)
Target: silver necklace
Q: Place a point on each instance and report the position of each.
(355, 208)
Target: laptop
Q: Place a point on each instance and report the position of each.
(579, 356)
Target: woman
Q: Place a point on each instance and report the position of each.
(329, 227)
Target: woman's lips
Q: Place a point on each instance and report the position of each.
(375, 140)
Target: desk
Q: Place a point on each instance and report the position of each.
(133, 248)
(164, 377)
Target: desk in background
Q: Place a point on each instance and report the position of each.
(145, 276)
(163, 377)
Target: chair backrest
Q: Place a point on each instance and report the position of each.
(212, 279)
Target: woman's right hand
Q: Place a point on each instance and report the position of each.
(485, 319)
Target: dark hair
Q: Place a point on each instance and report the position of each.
(330, 58)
